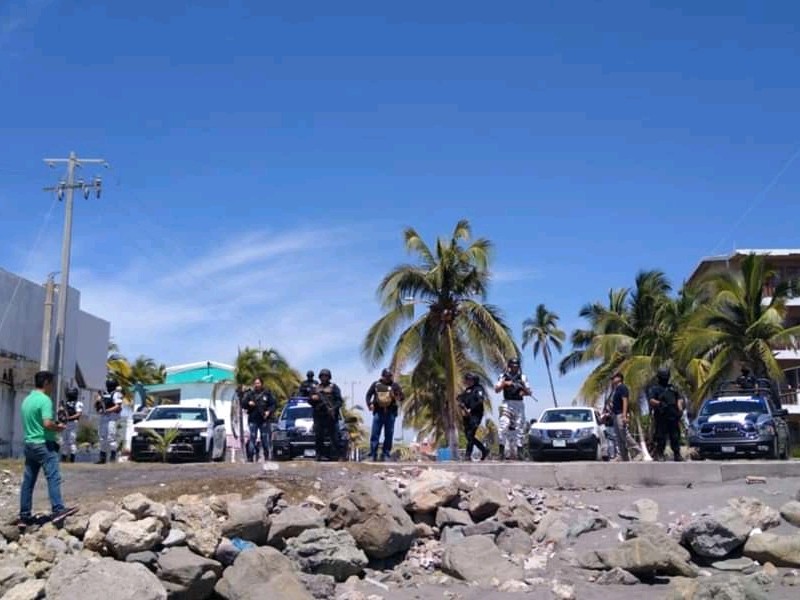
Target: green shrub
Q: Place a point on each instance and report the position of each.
(87, 434)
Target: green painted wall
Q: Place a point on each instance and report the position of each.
(201, 374)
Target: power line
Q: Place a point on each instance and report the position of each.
(758, 199)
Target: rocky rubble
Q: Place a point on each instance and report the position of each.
(404, 528)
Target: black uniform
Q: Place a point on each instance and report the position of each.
(259, 424)
(327, 402)
(307, 387)
(667, 418)
(471, 401)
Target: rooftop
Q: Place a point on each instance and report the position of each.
(784, 252)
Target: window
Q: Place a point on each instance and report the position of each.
(177, 413)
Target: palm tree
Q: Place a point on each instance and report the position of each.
(272, 367)
(736, 325)
(457, 328)
(147, 371)
(543, 331)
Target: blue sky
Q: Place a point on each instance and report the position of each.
(265, 158)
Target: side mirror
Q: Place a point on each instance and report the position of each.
(219, 422)
(138, 418)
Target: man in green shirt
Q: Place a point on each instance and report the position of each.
(41, 448)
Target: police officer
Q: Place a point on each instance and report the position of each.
(109, 405)
(383, 399)
(70, 413)
(471, 401)
(326, 399)
(514, 386)
(307, 386)
(260, 405)
(667, 405)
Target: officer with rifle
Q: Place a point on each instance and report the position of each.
(260, 405)
(70, 413)
(667, 404)
(514, 386)
(307, 386)
(326, 400)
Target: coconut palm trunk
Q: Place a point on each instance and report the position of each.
(550, 377)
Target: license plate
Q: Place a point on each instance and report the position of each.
(728, 449)
(559, 443)
(309, 453)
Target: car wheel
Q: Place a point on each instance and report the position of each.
(221, 454)
(536, 456)
(598, 452)
(210, 453)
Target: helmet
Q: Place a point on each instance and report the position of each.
(310, 374)
(72, 393)
(513, 362)
(387, 373)
(663, 374)
(111, 385)
(469, 376)
(324, 372)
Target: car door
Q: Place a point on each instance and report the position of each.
(218, 433)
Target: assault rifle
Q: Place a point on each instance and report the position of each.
(325, 399)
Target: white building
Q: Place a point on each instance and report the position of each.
(22, 306)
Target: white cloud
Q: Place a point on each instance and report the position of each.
(513, 275)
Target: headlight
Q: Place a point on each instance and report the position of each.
(279, 435)
(584, 432)
(766, 429)
(536, 433)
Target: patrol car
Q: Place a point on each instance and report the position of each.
(201, 435)
(741, 420)
(293, 434)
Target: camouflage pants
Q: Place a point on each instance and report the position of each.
(69, 438)
(512, 425)
(108, 433)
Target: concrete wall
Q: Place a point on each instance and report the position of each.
(22, 303)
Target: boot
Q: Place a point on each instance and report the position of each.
(102, 460)
(63, 458)
(484, 454)
(113, 456)
(502, 452)
(72, 458)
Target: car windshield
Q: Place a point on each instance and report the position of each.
(567, 416)
(298, 412)
(178, 413)
(749, 405)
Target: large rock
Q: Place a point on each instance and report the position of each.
(124, 538)
(657, 536)
(94, 537)
(430, 490)
(478, 559)
(291, 522)
(11, 576)
(519, 513)
(261, 573)
(187, 575)
(780, 550)
(719, 587)
(248, 520)
(33, 589)
(716, 535)
(755, 513)
(452, 517)
(82, 577)
(640, 557)
(486, 499)
(327, 552)
(643, 509)
(791, 512)
(374, 516)
(142, 507)
(200, 524)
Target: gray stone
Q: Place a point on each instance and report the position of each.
(199, 523)
(82, 577)
(175, 537)
(755, 513)
(780, 550)
(587, 524)
(452, 516)
(451, 534)
(486, 499)
(291, 522)
(740, 565)
(11, 576)
(616, 576)
(717, 535)
(429, 490)
(491, 528)
(640, 557)
(327, 552)
(791, 512)
(124, 538)
(374, 516)
(261, 573)
(32, 589)
(515, 542)
(148, 559)
(478, 559)
(248, 520)
(642, 510)
(322, 587)
(192, 576)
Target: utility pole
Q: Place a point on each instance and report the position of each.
(49, 291)
(67, 188)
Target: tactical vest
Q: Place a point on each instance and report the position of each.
(514, 392)
(325, 394)
(384, 395)
(71, 407)
(108, 400)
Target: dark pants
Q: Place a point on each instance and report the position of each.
(264, 431)
(470, 429)
(41, 457)
(668, 429)
(325, 431)
(382, 420)
(621, 431)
